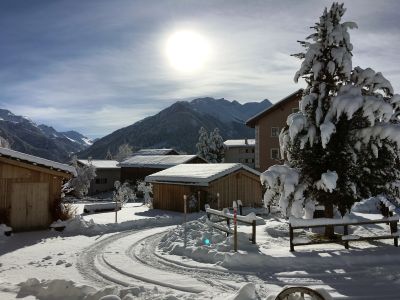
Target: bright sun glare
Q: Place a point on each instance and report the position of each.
(187, 51)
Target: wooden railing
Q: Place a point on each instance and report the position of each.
(345, 238)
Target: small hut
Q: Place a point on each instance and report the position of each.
(30, 186)
(215, 184)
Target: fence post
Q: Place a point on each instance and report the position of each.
(185, 219)
(198, 199)
(235, 241)
(393, 230)
(346, 232)
(291, 238)
(253, 237)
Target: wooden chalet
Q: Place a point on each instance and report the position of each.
(29, 188)
(139, 166)
(107, 173)
(231, 181)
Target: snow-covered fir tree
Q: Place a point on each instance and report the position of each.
(217, 148)
(210, 146)
(124, 151)
(81, 183)
(4, 143)
(202, 144)
(343, 145)
(109, 155)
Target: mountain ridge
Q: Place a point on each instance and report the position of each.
(177, 126)
(44, 141)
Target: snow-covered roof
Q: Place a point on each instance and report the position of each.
(240, 143)
(156, 161)
(101, 164)
(163, 151)
(296, 95)
(34, 160)
(197, 174)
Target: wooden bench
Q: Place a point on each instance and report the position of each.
(225, 215)
(101, 207)
(345, 238)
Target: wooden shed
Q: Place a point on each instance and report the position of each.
(139, 166)
(29, 188)
(228, 180)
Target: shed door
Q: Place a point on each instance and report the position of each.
(29, 205)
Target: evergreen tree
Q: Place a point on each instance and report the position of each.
(210, 146)
(343, 145)
(4, 143)
(217, 149)
(109, 156)
(202, 144)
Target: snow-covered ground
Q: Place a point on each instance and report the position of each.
(143, 257)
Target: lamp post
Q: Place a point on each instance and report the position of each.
(185, 218)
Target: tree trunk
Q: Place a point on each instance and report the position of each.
(329, 230)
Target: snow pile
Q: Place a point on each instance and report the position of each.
(3, 229)
(69, 290)
(206, 244)
(246, 292)
(370, 205)
(78, 225)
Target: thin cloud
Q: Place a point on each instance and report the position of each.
(98, 66)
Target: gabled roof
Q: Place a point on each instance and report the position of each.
(37, 161)
(240, 143)
(157, 161)
(156, 152)
(253, 120)
(197, 174)
(101, 163)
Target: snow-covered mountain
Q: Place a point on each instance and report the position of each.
(178, 125)
(22, 134)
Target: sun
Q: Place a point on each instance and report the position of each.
(187, 51)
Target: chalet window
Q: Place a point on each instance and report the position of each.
(101, 180)
(295, 109)
(274, 153)
(274, 131)
(252, 150)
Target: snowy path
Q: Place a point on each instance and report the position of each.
(124, 259)
(131, 258)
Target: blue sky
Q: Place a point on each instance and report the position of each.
(97, 66)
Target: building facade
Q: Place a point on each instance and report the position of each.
(107, 173)
(268, 125)
(240, 151)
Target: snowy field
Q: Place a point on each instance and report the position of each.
(143, 257)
